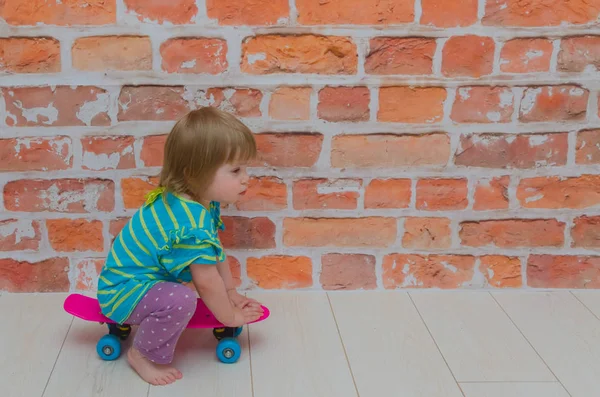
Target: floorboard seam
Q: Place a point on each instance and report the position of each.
(57, 356)
(435, 342)
(529, 342)
(343, 345)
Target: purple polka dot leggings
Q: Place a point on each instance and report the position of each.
(162, 315)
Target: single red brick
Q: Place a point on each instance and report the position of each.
(171, 103)
(86, 273)
(387, 150)
(290, 103)
(427, 233)
(194, 55)
(547, 13)
(63, 12)
(66, 235)
(526, 56)
(248, 233)
(36, 154)
(56, 106)
(174, 11)
(108, 152)
(153, 149)
(442, 194)
(431, 271)
(513, 233)
(388, 193)
(491, 194)
(60, 195)
(344, 103)
(326, 194)
(470, 55)
(512, 151)
(100, 53)
(288, 149)
(19, 235)
(348, 272)
(243, 102)
(356, 12)
(588, 147)
(248, 12)
(559, 192)
(578, 54)
(400, 55)
(29, 55)
(449, 14)
(280, 272)
(264, 194)
(411, 105)
(50, 275)
(483, 105)
(135, 189)
(115, 227)
(586, 232)
(339, 232)
(501, 271)
(154, 103)
(563, 271)
(299, 54)
(554, 103)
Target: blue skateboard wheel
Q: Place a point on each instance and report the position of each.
(109, 347)
(228, 350)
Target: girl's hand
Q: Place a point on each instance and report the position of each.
(246, 315)
(242, 301)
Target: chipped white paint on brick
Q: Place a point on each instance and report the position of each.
(479, 280)
(91, 109)
(574, 91)
(59, 200)
(537, 140)
(409, 278)
(464, 93)
(99, 161)
(450, 267)
(253, 58)
(189, 64)
(494, 116)
(46, 115)
(532, 54)
(19, 228)
(506, 98)
(338, 186)
(529, 99)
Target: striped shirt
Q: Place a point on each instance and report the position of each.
(166, 235)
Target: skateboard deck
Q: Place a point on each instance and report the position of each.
(108, 347)
(87, 308)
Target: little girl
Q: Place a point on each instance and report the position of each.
(173, 238)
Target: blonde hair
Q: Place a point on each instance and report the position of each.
(200, 143)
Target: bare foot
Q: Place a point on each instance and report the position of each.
(155, 374)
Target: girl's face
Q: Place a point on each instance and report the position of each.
(229, 184)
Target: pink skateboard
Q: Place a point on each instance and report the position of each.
(109, 346)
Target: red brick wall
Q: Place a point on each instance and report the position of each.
(427, 143)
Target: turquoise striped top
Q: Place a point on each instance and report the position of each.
(165, 236)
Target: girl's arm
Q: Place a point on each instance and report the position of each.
(236, 298)
(211, 288)
(225, 272)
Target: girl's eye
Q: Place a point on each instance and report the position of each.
(236, 170)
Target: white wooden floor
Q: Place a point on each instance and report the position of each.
(340, 344)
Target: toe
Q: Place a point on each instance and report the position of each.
(176, 373)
